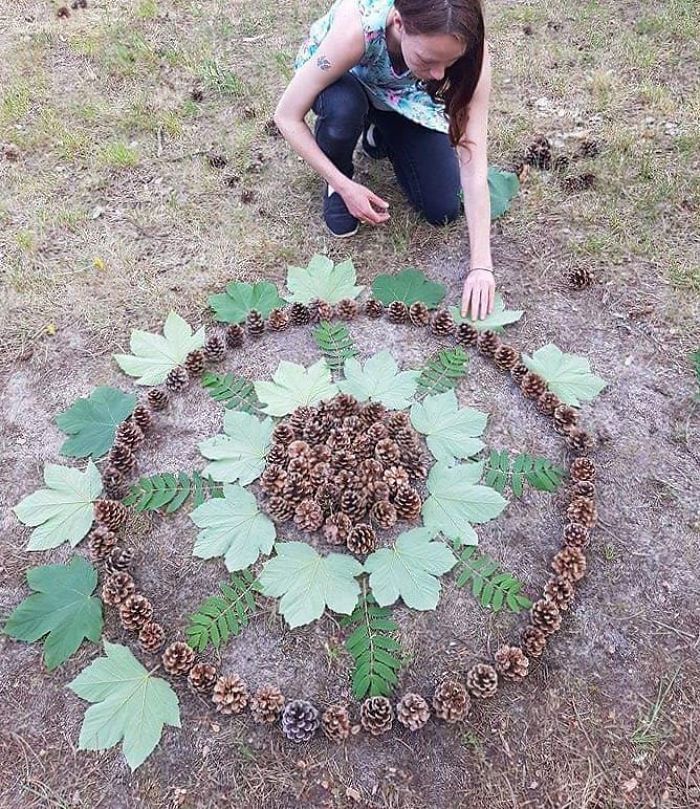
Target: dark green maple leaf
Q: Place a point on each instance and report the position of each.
(91, 423)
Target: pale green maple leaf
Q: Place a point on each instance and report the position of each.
(130, 705)
(232, 527)
(379, 380)
(451, 431)
(239, 453)
(456, 500)
(294, 386)
(63, 511)
(153, 356)
(499, 318)
(567, 375)
(323, 280)
(309, 582)
(409, 570)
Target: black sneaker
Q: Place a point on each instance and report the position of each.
(371, 142)
(337, 217)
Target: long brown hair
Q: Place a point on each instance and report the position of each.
(465, 20)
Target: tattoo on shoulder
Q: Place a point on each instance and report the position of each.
(323, 63)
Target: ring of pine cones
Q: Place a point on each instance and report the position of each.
(345, 469)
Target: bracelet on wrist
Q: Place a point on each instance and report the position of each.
(486, 269)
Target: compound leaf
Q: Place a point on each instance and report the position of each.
(491, 586)
(442, 372)
(223, 616)
(335, 342)
(236, 392)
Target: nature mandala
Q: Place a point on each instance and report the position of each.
(346, 485)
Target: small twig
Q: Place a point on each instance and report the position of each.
(160, 141)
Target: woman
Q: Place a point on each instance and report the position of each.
(412, 77)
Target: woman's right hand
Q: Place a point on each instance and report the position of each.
(364, 204)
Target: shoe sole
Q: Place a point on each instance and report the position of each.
(343, 235)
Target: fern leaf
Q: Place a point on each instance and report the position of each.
(166, 490)
(540, 473)
(442, 372)
(236, 392)
(492, 587)
(335, 343)
(221, 617)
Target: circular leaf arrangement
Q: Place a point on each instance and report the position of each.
(349, 463)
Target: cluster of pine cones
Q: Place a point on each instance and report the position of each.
(121, 461)
(344, 468)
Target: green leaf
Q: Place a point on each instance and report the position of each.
(153, 356)
(499, 318)
(236, 392)
(410, 286)
(219, 618)
(379, 380)
(164, 489)
(309, 582)
(233, 527)
(335, 342)
(130, 705)
(91, 423)
(409, 569)
(63, 511)
(456, 501)
(239, 453)
(567, 375)
(442, 372)
(62, 608)
(491, 587)
(240, 298)
(295, 386)
(322, 279)
(451, 431)
(503, 186)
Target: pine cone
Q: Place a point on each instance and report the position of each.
(384, 514)
(117, 588)
(378, 491)
(121, 457)
(419, 314)
(300, 720)
(298, 449)
(321, 310)
(346, 309)
(560, 163)
(570, 563)
(582, 469)
(177, 379)
(539, 153)
(583, 488)
(576, 535)
(320, 473)
(546, 616)
(363, 447)
(135, 611)
(335, 723)
(534, 641)
(374, 308)
(407, 441)
(443, 323)
(582, 510)
(467, 335)
(588, 148)
(412, 711)
(280, 509)
(128, 435)
(315, 431)
(488, 342)
(387, 452)
(532, 385)
(451, 702)
(118, 561)
(283, 434)
(353, 504)
(395, 477)
(273, 479)
(579, 440)
(371, 469)
(235, 335)
(157, 399)
(376, 715)
(362, 539)
(345, 404)
(548, 402)
(518, 371)
(110, 513)
(278, 320)
(560, 590)
(579, 278)
(202, 678)
(151, 637)
(308, 515)
(195, 362)
(579, 182)
(482, 681)
(266, 704)
(254, 324)
(297, 488)
(397, 312)
(178, 658)
(408, 503)
(100, 542)
(142, 417)
(397, 421)
(506, 357)
(372, 412)
(565, 418)
(215, 348)
(299, 314)
(230, 695)
(336, 529)
(378, 431)
(511, 663)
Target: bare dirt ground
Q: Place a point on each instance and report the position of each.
(111, 215)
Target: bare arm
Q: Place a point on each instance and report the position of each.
(342, 48)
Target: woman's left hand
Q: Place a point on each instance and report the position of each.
(478, 294)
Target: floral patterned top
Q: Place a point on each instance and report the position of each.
(387, 90)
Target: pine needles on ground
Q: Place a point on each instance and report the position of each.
(492, 587)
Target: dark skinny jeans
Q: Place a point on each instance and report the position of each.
(424, 161)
